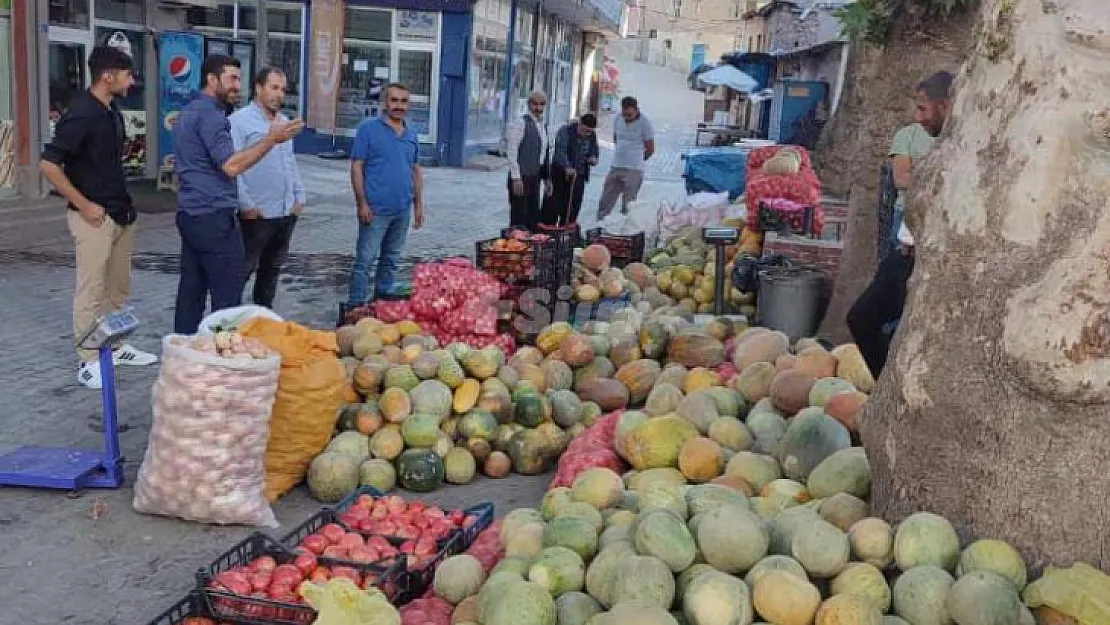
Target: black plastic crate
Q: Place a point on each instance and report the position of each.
(536, 264)
(623, 248)
(223, 605)
(566, 239)
(191, 605)
(483, 512)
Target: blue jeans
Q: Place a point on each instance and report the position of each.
(379, 242)
(212, 259)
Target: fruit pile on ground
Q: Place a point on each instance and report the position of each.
(686, 271)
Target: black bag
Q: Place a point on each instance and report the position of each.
(746, 268)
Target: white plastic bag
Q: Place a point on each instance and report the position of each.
(204, 458)
(230, 318)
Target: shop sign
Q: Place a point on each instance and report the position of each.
(180, 56)
(324, 63)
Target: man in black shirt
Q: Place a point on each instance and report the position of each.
(84, 162)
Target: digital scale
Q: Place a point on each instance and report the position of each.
(78, 469)
(720, 237)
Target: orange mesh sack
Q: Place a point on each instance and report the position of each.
(311, 388)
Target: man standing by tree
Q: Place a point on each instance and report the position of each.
(212, 253)
(389, 190)
(271, 194)
(634, 140)
(575, 153)
(84, 162)
(527, 147)
(881, 304)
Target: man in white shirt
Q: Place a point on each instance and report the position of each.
(527, 146)
(634, 141)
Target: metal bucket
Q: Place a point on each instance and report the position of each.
(788, 300)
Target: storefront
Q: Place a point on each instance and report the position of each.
(7, 121)
(74, 27)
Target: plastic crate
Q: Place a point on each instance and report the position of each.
(388, 572)
(224, 605)
(483, 511)
(623, 248)
(191, 605)
(536, 264)
(566, 239)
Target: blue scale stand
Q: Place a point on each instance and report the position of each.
(78, 469)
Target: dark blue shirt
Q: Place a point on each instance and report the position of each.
(201, 146)
(388, 159)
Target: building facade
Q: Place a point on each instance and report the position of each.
(469, 64)
(682, 34)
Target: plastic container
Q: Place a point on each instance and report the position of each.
(483, 512)
(788, 300)
(623, 248)
(536, 264)
(191, 605)
(227, 606)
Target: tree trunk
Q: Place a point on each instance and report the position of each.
(994, 410)
(877, 102)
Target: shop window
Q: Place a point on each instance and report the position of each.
(365, 70)
(487, 80)
(368, 25)
(124, 11)
(69, 13)
(283, 48)
(218, 17)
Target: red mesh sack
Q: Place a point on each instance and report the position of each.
(759, 156)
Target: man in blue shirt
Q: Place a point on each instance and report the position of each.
(212, 254)
(271, 194)
(388, 183)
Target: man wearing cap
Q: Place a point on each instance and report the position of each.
(527, 147)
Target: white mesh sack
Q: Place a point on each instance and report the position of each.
(204, 459)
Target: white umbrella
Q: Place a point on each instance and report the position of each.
(730, 77)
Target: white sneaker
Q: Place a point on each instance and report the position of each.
(88, 375)
(127, 354)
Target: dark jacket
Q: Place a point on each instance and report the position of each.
(574, 150)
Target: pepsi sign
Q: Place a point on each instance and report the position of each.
(180, 56)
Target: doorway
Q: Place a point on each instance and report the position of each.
(67, 76)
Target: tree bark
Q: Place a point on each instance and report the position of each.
(876, 103)
(994, 410)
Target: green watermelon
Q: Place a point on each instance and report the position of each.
(529, 410)
(420, 470)
(559, 570)
(574, 533)
(478, 423)
(664, 535)
(420, 430)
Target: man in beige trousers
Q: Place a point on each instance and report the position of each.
(84, 162)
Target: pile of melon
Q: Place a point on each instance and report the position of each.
(431, 415)
(652, 549)
(685, 270)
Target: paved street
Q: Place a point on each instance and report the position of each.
(58, 563)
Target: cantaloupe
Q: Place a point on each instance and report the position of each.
(704, 498)
(459, 466)
(844, 510)
(983, 598)
(714, 598)
(700, 378)
(515, 520)
(663, 496)
(926, 538)
(774, 563)
(846, 408)
(821, 548)
(559, 570)
(809, 439)
(332, 475)
(790, 390)
(377, 473)
(784, 599)
(784, 524)
(458, 577)
(520, 603)
(598, 486)
(754, 381)
(637, 612)
(919, 595)
(864, 580)
(816, 362)
(731, 433)
(872, 542)
(698, 408)
(596, 257)
(657, 443)
(575, 608)
(732, 538)
(848, 610)
(759, 345)
(701, 459)
(756, 469)
(601, 575)
(825, 388)
(387, 444)
(663, 399)
(845, 471)
(852, 367)
(575, 533)
(644, 578)
(996, 556)
(582, 511)
(554, 501)
(663, 534)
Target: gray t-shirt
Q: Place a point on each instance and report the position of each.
(629, 151)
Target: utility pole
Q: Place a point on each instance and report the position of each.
(261, 34)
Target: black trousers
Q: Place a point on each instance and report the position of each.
(211, 264)
(562, 206)
(267, 244)
(879, 305)
(524, 210)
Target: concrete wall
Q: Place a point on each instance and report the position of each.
(716, 23)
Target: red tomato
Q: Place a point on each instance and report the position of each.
(334, 532)
(409, 546)
(197, 620)
(456, 516)
(363, 554)
(407, 531)
(380, 511)
(396, 505)
(379, 543)
(434, 513)
(364, 501)
(349, 518)
(234, 582)
(470, 520)
(315, 543)
(285, 597)
(387, 528)
(426, 547)
(348, 572)
(260, 581)
(421, 522)
(262, 563)
(287, 574)
(306, 562)
(351, 539)
(335, 552)
(417, 506)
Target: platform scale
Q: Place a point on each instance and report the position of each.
(720, 237)
(78, 469)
